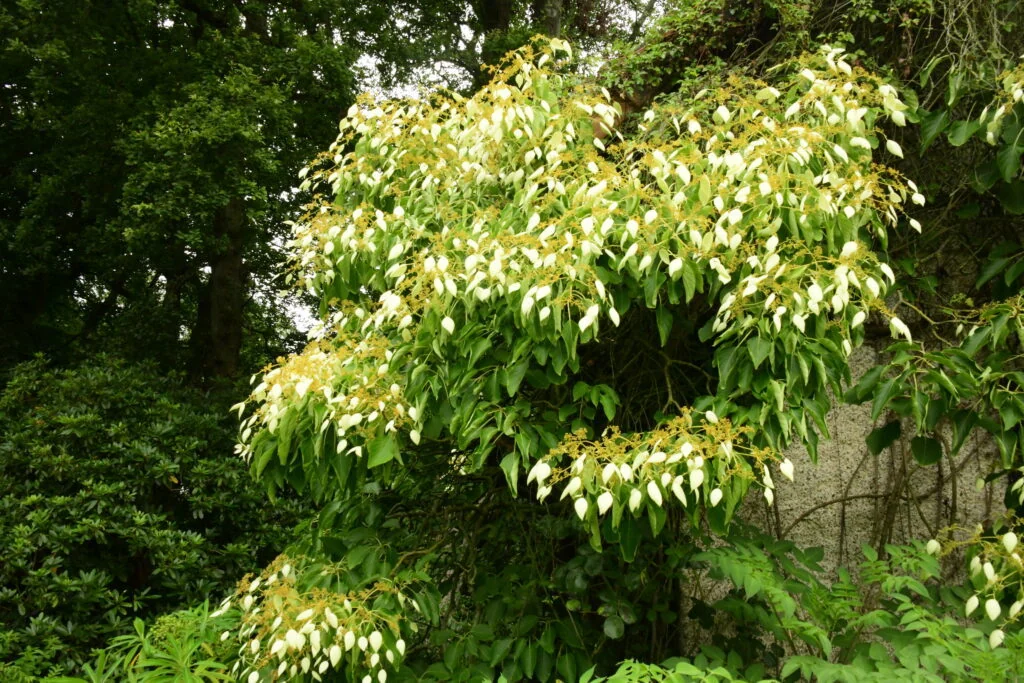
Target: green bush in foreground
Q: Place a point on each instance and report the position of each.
(121, 499)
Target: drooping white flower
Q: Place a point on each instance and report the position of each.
(894, 148)
(677, 490)
(716, 497)
(1009, 541)
(604, 501)
(448, 324)
(294, 639)
(899, 327)
(786, 467)
(539, 471)
(654, 492)
(996, 638)
(572, 487)
(933, 547)
(581, 506)
(993, 609)
(635, 498)
(972, 604)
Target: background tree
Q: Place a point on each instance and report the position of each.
(149, 156)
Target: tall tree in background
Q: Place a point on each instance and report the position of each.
(148, 153)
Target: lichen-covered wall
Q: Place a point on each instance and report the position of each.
(851, 498)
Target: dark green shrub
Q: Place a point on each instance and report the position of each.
(120, 498)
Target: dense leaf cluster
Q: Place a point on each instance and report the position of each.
(120, 501)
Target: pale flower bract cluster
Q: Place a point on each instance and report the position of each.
(467, 240)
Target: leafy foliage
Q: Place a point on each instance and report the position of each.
(528, 291)
(133, 138)
(466, 266)
(121, 500)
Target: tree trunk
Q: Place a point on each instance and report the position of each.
(494, 15)
(551, 20)
(226, 292)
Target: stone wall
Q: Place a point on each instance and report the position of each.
(851, 498)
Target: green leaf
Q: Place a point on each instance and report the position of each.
(955, 86)
(629, 537)
(608, 404)
(382, 450)
(962, 131)
(778, 392)
(992, 268)
(863, 389)
(514, 377)
(510, 466)
(759, 349)
(963, 424)
(614, 627)
(1011, 197)
(499, 650)
(986, 175)
(704, 191)
(528, 659)
(931, 125)
(882, 437)
(926, 450)
(888, 389)
(1008, 161)
(689, 278)
(664, 319)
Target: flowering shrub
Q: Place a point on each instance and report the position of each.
(477, 262)
(476, 247)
